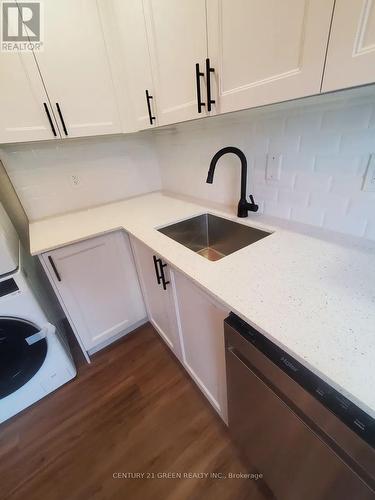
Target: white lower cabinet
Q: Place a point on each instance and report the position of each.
(202, 340)
(159, 298)
(98, 288)
(189, 321)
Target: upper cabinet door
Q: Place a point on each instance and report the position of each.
(266, 51)
(177, 40)
(75, 69)
(351, 50)
(131, 33)
(26, 114)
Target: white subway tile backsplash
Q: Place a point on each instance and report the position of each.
(270, 123)
(321, 142)
(347, 118)
(258, 176)
(313, 182)
(307, 215)
(281, 210)
(346, 185)
(332, 164)
(372, 119)
(109, 169)
(255, 144)
(348, 224)
(370, 231)
(265, 193)
(287, 179)
(303, 122)
(294, 198)
(298, 161)
(329, 201)
(362, 208)
(285, 143)
(358, 141)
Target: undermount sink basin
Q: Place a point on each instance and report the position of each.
(213, 237)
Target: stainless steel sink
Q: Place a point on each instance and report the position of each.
(211, 236)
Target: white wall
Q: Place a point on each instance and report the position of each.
(108, 168)
(13, 207)
(325, 143)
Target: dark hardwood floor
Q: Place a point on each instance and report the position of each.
(133, 410)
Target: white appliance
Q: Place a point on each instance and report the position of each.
(34, 358)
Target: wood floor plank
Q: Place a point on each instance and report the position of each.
(134, 409)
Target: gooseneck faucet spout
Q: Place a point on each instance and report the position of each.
(243, 205)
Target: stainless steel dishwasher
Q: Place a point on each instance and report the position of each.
(306, 439)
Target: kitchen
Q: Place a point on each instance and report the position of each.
(188, 245)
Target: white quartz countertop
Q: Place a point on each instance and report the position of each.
(312, 296)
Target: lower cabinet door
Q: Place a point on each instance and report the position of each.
(202, 340)
(159, 301)
(98, 287)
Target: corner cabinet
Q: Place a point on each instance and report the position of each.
(266, 51)
(351, 49)
(188, 320)
(155, 279)
(97, 285)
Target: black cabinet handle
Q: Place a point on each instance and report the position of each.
(164, 282)
(61, 118)
(198, 74)
(209, 70)
(159, 271)
(49, 119)
(148, 99)
(54, 268)
(156, 263)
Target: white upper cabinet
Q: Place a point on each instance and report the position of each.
(24, 107)
(266, 51)
(351, 50)
(131, 33)
(75, 69)
(177, 40)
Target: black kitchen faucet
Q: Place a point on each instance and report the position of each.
(243, 205)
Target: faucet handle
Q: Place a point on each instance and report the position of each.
(253, 206)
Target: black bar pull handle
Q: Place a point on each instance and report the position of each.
(49, 119)
(148, 99)
(156, 263)
(61, 118)
(209, 70)
(198, 74)
(54, 268)
(163, 280)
